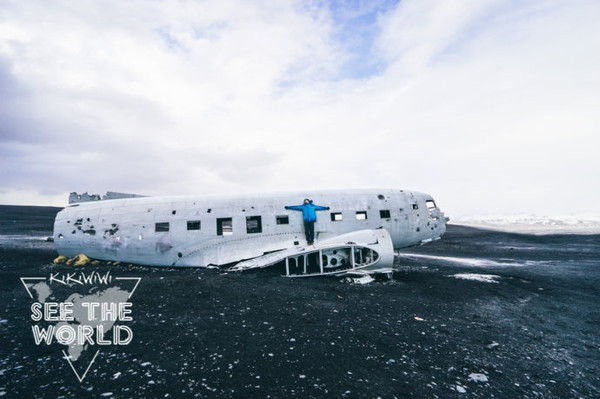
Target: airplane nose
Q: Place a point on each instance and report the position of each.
(437, 222)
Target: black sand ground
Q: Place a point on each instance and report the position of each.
(535, 333)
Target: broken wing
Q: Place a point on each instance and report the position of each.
(359, 250)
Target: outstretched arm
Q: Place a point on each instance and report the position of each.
(321, 208)
(294, 207)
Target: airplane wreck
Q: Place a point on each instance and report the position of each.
(358, 232)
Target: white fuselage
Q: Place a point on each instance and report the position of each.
(205, 231)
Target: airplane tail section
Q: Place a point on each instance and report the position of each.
(75, 198)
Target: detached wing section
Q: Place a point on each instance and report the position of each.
(365, 250)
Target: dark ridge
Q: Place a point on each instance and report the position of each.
(21, 219)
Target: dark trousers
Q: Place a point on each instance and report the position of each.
(309, 230)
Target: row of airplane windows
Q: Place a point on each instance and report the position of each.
(254, 223)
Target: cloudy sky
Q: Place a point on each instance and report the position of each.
(493, 107)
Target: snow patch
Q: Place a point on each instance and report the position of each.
(484, 278)
(479, 262)
(534, 224)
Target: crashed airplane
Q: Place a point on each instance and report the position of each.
(357, 234)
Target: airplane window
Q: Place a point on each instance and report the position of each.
(384, 214)
(430, 204)
(336, 216)
(224, 227)
(283, 219)
(161, 227)
(361, 215)
(193, 225)
(253, 224)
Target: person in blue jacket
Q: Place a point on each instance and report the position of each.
(310, 217)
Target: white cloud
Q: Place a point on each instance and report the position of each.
(490, 107)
